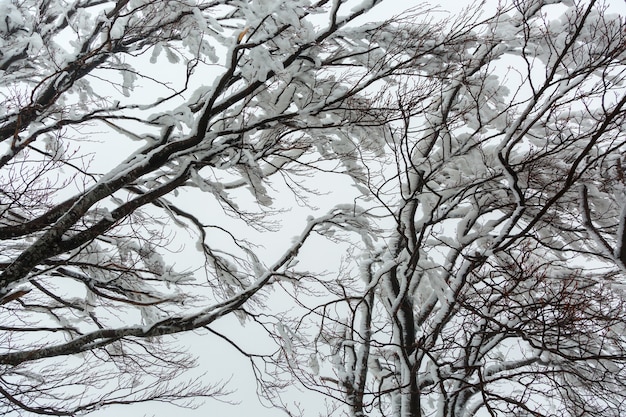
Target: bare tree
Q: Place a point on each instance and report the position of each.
(496, 285)
(484, 244)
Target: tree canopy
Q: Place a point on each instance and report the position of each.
(152, 149)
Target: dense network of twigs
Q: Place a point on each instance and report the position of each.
(148, 146)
